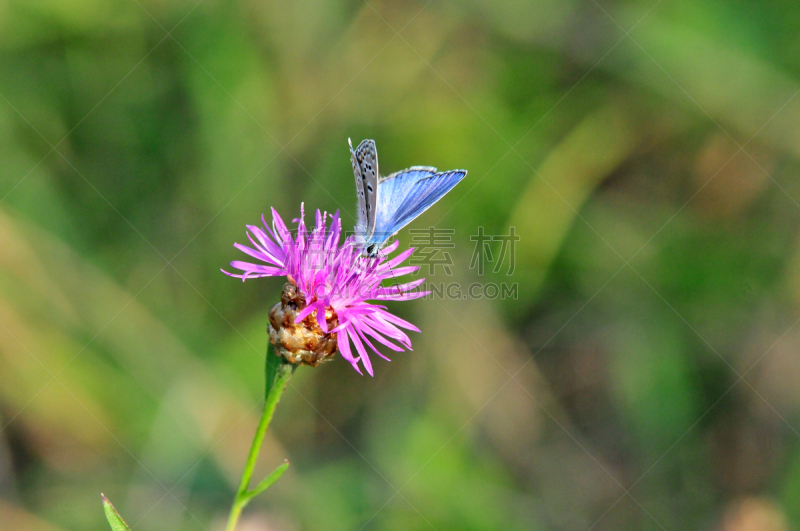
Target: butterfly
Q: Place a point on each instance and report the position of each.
(387, 204)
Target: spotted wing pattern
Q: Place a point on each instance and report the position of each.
(365, 168)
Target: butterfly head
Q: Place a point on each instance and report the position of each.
(370, 250)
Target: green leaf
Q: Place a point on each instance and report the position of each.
(113, 517)
(268, 481)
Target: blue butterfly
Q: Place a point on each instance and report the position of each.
(387, 204)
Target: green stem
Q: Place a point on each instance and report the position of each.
(279, 371)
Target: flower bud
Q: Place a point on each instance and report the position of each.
(304, 342)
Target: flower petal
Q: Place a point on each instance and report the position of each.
(389, 249)
(399, 288)
(343, 342)
(363, 356)
(280, 226)
(265, 271)
(399, 259)
(254, 253)
(363, 328)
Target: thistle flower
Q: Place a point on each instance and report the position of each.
(324, 304)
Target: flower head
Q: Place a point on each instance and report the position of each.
(329, 286)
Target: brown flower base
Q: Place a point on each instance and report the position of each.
(303, 343)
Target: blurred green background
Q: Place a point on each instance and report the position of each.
(646, 152)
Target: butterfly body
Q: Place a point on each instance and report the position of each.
(386, 205)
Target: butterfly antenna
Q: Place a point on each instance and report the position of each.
(391, 270)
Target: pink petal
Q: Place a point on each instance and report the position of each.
(265, 242)
(396, 320)
(408, 286)
(280, 226)
(389, 249)
(364, 330)
(272, 234)
(342, 326)
(323, 323)
(389, 329)
(398, 259)
(363, 357)
(305, 312)
(362, 325)
(343, 342)
(260, 269)
(254, 253)
(400, 271)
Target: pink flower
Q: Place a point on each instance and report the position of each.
(337, 277)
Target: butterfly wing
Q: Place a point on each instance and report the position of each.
(365, 168)
(394, 190)
(410, 193)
